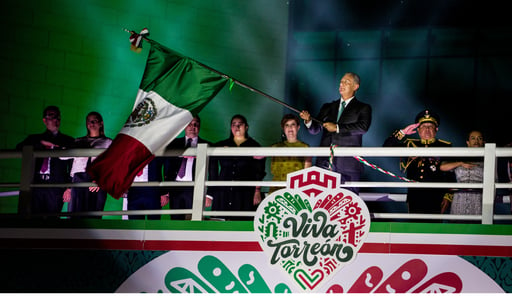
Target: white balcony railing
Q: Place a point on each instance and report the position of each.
(490, 154)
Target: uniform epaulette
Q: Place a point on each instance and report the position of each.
(443, 141)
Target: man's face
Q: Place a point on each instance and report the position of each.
(52, 121)
(475, 139)
(192, 129)
(427, 131)
(347, 86)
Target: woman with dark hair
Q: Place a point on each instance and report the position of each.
(282, 165)
(238, 168)
(469, 170)
(81, 199)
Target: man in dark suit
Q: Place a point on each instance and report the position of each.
(344, 122)
(49, 170)
(183, 169)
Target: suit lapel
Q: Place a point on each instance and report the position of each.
(347, 108)
(333, 111)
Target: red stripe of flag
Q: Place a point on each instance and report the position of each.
(115, 168)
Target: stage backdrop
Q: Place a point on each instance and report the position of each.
(76, 55)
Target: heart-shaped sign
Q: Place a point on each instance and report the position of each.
(312, 228)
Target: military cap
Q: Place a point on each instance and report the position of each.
(428, 116)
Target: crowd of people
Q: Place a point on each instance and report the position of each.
(342, 122)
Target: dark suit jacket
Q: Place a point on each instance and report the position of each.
(59, 169)
(353, 124)
(172, 164)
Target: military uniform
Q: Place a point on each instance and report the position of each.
(422, 169)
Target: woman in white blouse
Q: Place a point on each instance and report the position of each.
(82, 199)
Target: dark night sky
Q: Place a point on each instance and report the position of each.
(471, 90)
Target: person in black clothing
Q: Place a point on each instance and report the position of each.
(239, 168)
(183, 169)
(49, 170)
(423, 168)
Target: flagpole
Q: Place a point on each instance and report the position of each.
(240, 83)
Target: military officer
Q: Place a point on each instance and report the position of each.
(423, 168)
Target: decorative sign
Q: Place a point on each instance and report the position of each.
(310, 234)
(312, 228)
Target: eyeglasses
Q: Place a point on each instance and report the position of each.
(52, 117)
(93, 121)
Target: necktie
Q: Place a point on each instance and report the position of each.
(183, 166)
(44, 166)
(46, 163)
(343, 104)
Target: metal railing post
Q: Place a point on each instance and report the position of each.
(489, 188)
(199, 181)
(26, 178)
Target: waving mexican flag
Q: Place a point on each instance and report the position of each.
(173, 89)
